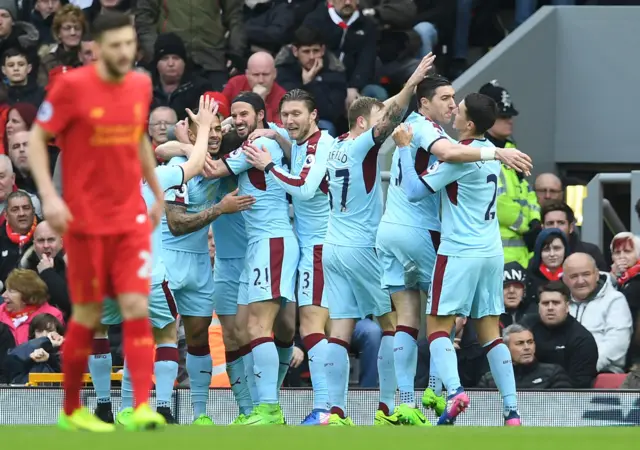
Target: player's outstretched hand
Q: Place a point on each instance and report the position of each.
(56, 213)
(232, 203)
(263, 132)
(155, 214)
(207, 110)
(182, 131)
(297, 357)
(515, 159)
(422, 70)
(258, 157)
(402, 135)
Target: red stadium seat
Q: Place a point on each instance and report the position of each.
(609, 380)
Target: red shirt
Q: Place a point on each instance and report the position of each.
(99, 127)
(239, 83)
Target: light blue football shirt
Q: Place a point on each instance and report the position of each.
(424, 213)
(468, 192)
(269, 215)
(229, 229)
(168, 177)
(198, 194)
(355, 193)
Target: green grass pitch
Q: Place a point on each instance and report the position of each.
(325, 438)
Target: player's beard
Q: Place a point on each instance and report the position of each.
(114, 70)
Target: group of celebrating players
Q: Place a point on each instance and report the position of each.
(342, 260)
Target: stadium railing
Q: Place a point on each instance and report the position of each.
(570, 408)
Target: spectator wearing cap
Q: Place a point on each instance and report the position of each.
(551, 249)
(174, 83)
(352, 37)
(561, 339)
(16, 34)
(212, 29)
(529, 373)
(16, 235)
(307, 65)
(518, 210)
(69, 25)
(514, 280)
(42, 18)
(560, 215)
(601, 309)
(16, 69)
(260, 77)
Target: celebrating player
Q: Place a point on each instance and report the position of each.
(270, 264)
(308, 190)
(407, 267)
(190, 209)
(104, 156)
(468, 270)
(351, 268)
(161, 303)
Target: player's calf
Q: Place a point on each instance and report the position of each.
(337, 366)
(199, 365)
(100, 366)
(284, 330)
(386, 366)
(313, 320)
(165, 368)
(405, 348)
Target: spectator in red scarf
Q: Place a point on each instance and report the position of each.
(625, 252)
(25, 298)
(549, 253)
(16, 235)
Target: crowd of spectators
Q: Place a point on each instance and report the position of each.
(569, 315)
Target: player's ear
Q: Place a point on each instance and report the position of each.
(314, 115)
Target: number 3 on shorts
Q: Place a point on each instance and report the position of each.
(145, 269)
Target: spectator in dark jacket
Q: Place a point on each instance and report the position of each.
(16, 236)
(528, 372)
(561, 339)
(41, 16)
(515, 307)
(18, 153)
(47, 258)
(15, 34)
(549, 252)
(625, 270)
(40, 353)
(7, 342)
(174, 84)
(16, 68)
(560, 215)
(306, 65)
(353, 38)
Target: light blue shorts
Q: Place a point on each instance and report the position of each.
(226, 283)
(191, 281)
(407, 255)
(162, 308)
(311, 278)
(270, 269)
(470, 287)
(352, 282)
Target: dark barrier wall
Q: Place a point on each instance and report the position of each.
(571, 75)
(40, 406)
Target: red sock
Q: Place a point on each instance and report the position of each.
(76, 349)
(139, 354)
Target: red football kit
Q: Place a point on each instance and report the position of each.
(99, 127)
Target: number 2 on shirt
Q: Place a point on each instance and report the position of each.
(344, 174)
(490, 215)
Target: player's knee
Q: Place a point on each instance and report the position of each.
(133, 306)
(229, 337)
(197, 331)
(166, 335)
(101, 331)
(387, 322)
(88, 315)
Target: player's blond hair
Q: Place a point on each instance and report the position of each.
(362, 107)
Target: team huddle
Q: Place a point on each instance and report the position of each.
(341, 261)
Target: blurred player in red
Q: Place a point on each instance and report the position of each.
(98, 115)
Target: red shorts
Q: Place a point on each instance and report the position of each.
(102, 266)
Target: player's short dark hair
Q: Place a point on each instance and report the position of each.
(45, 322)
(481, 110)
(427, 87)
(558, 206)
(362, 107)
(14, 51)
(306, 37)
(109, 21)
(299, 95)
(555, 286)
(18, 194)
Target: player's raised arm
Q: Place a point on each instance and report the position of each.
(273, 132)
(177, 147)
(413, 188)
(148, 163)
(448, 151)
(396, 106)
(205, 119)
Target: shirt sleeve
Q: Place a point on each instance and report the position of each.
(176, 193)
(313, 172)
(427, 136)
(56, 111)
(440, 174)
(281, 131)
(170, 177)
(236, 162)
